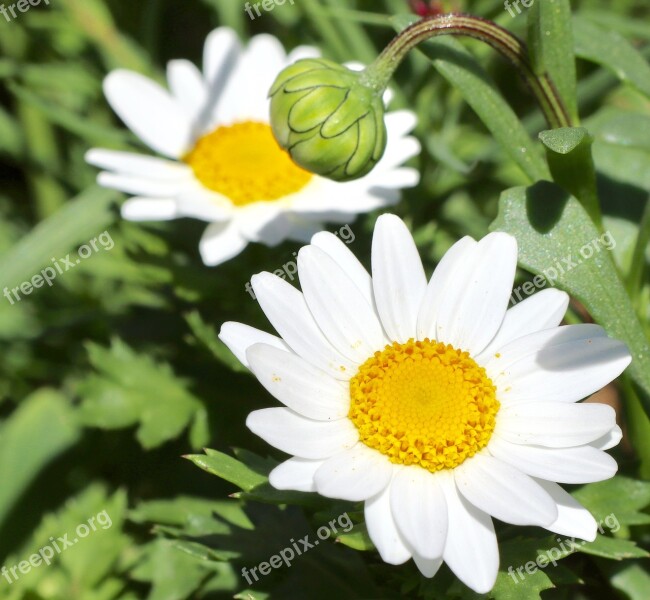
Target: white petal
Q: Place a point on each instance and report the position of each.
(398, 278)
(220, 54)
(295, 474)
(149, 111)
(544, 310)
(561, 365)
(475, 302)
(186, 85)
(439, 285)
(239, 337)
(141, 186)
(301, 52)
(200, 203)
(346, 259)
(221, 242)
(263, 222)
(583, 464)
(420, 510)
(149, 209)
(356, 474)
(554, 424)
(339, 308)
(573, 520)
(609, 440)
(305, 438)
(383, 530)
(400, 122)
(504, 492)
(406, 177)
(428, 567)
(286, 309)
(471, 549)
(300, 386)
(138, 165)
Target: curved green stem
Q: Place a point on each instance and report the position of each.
(378, 74)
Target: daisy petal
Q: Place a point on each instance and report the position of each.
(544, 310)
(221, 242)
(286, 309)
(220, 52)
(609, 440)
(339, 308)
(573, 520)
(471, 549)
(439, 284)
(295, 474)
(239, 337)
(554, 424)
(383, 530)
(428, 567)
(140, 186)
(420, 510)
(304, 438)
(356, 474)
(186, 85)
(300, 386)
(398, 278)
(149, 209)
(137, 165)
(551, 369)
(475, 302)
(504, 492)
(345, 258)
(583, 464)
(149, 111)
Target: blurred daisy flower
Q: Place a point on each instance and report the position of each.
(222, 164)
(432, 402)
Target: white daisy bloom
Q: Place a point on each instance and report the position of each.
(433, 403)
(222, 164)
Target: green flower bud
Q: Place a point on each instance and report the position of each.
(328, 119)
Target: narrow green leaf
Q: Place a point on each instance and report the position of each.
(568, 151)
(78, 221)
(633, 580)
(553, 228)
(611, 50)
(550, 39)
(228, 468)
(40, 429)
(462, 70)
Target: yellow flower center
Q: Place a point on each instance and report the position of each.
(423, 403)
(244, 163)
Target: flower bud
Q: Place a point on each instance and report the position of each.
(329, 121)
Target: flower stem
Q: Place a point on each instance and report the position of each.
(378, 74)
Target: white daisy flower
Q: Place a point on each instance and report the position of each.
(222, 163)
(433, 403)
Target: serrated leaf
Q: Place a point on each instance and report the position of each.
(620, 498)
(613, 548)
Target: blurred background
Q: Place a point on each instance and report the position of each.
(114, 373)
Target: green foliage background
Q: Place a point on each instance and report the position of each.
(113, 374)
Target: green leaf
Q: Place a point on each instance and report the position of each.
(633, 580)
(228, 468)
(550, 39)
(568, 151)
(613, 548)
(558, 241)
(617, 501)
(130, 389)
(611, 50)
(76, 223)
(40, 429)
(462, 70)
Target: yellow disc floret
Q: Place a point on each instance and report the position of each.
(423, 403)
(244, 163)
